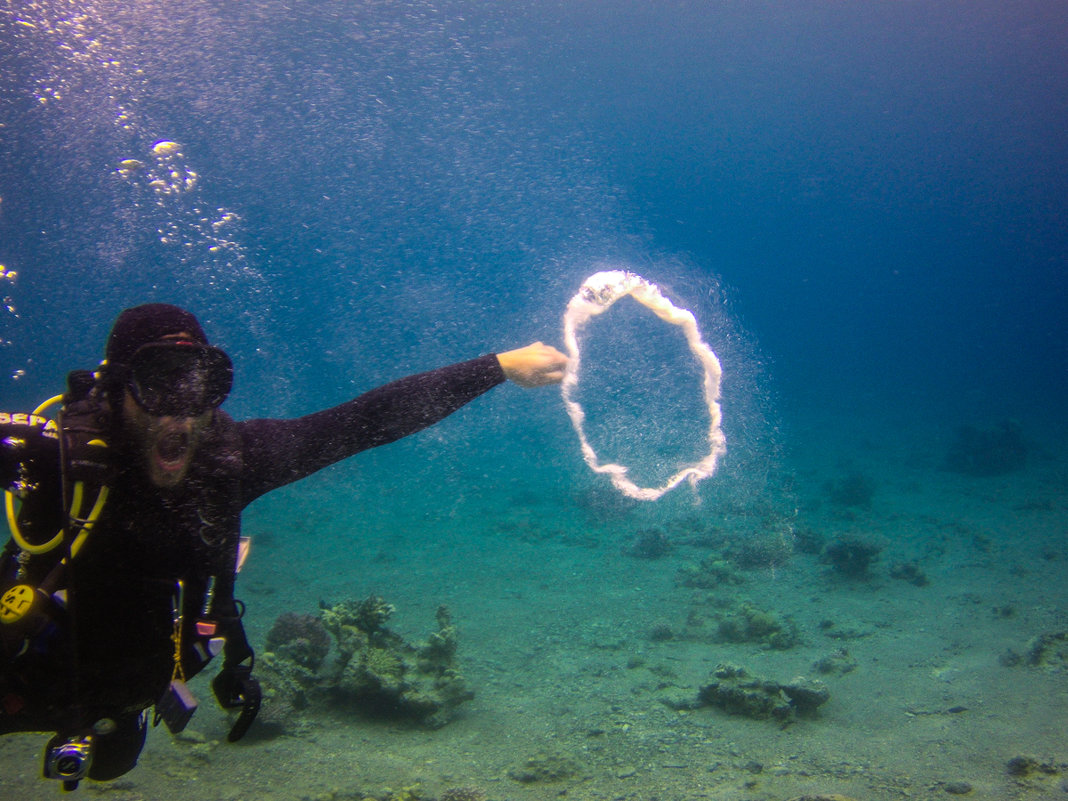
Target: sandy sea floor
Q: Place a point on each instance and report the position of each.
(587, 658)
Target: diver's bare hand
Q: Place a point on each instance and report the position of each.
(535, 365)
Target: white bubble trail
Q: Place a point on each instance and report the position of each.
(595, 296)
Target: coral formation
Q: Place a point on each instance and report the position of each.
(910, 572)
(375, 669)
(1048, 650)
(1043, 650)
(736, 692)
(288, 669)
(736, 621)
(806, 695)
(661, 632)
(769, 550)
(837, 663)
(287, 688)
(299, 638)
(649, 543)
(369, 615)
(1022, 766)
(713, 571)
(851, 557)
(379, 672)
(987, 452)
(747, 623)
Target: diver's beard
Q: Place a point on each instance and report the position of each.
(165, 447)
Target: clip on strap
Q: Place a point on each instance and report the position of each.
(252, 695)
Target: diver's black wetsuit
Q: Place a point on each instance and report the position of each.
(122, 582)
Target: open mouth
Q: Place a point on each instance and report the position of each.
(171, 450)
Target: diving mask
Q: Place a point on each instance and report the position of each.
(179, 378)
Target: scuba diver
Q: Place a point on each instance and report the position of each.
(117, 585)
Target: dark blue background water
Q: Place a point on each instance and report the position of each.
(863, 203)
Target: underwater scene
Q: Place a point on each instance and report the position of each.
(858, 588)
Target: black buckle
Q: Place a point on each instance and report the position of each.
(236, 689)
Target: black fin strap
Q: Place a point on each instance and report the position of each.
(235, 687)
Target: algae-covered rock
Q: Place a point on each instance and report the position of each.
(712, 571)
(747, 623)
(287, 689)
(375, 670)
(1022, 766)
(736, 692)
(379, 672)
(351, 618)
(649, 543)
(806, 695)
(910, 572)
(1048, 650)
(720, 619)
(299, 638)
(837, 663)
(851, 557)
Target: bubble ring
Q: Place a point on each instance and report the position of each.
(595, 296)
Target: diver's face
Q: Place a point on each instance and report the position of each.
(165, 445)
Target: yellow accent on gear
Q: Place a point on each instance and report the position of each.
(176, 634)
(51, 401)
(85, 525)
(16, 602)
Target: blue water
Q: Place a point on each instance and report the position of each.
(878, 189)
(863, 204)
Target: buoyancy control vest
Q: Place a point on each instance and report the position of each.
(44, 631)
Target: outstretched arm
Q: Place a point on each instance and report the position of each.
(277, 452)
(535, 365)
